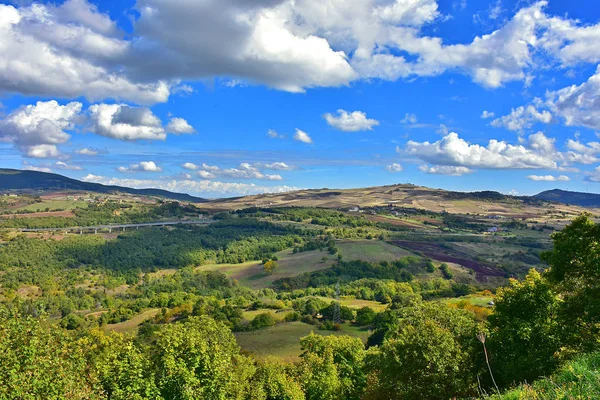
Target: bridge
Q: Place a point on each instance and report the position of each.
(119, 227)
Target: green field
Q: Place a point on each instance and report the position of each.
(357, 303)
(283, 340)
(251, 273)
(53, 205)
(133, 323)
(279, 316)
(474, 299)
(370, 250)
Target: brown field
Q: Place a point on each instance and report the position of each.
(439, 253)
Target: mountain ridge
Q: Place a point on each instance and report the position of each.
(14, 179)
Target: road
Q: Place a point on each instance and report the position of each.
(122, 227)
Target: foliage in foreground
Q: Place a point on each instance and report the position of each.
(578, 379)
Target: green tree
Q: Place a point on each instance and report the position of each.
(42, 363)
(276, 381)
(575, 273)
(431, 355)
(200, 359)
(523, 330)
(332, 367)
(365, 316)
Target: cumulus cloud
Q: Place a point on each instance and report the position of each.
(68, 51)
(242, 171)
(451, 150)
(123, 122)
(202, 188)
(144, 166)
(74, 50)
(579, 105)
(522, 118)
(38, 169)
(395, 167)
(350, 122)
(487, 114)
(445, 170)
(548, 178)
(190, 166)
(179, 126)
(37, 129)
(593, 176)
(302, 136)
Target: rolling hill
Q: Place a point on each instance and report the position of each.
(17, 180)
(566, 197)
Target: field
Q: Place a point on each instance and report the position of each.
(251, 273)
(53, 205)
(370, 250)
(283, 340)
(132, 324)
(357, 303)
(446, 254)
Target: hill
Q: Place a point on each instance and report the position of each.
(566, 197)
(486, 203)
(17, 180)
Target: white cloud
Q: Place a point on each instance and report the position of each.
(350, 122)
(487, 114)
(64, 166)
(67, 51)
(548, 178)
(409, 119)
(445, 170)
(202, 187)
(38, 169)
(179, 126)
(578, 105)
(522, 118)
(119, 121)
(302, 136)
(87, 151)
(143, 166)
(242, 171)
(272, 133)
(277, 166)
(395, 167)
(190, 166)
(593, 176)
(37, 129)
(451, 150)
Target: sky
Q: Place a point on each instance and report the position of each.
(222, 98)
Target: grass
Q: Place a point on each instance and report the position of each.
(132, 324)
(370, 250)
(473, 299)
(278, 316)
(251, 273)
(283, 340)
(578, 379)
(357, 303)
(54, 205)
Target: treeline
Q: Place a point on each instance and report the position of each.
(110, 212)
(347, 271)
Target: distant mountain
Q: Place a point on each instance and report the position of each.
(574, 198)
(13, 179)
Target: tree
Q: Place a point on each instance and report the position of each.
(575, 273)
(276, 381)
(200, 359)
(432, 354)
(365, 316)
(270, 267)
(332, 367)
(523, 330)
(262, 321)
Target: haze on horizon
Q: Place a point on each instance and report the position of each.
(220, 99)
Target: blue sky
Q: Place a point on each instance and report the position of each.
(223, 98)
